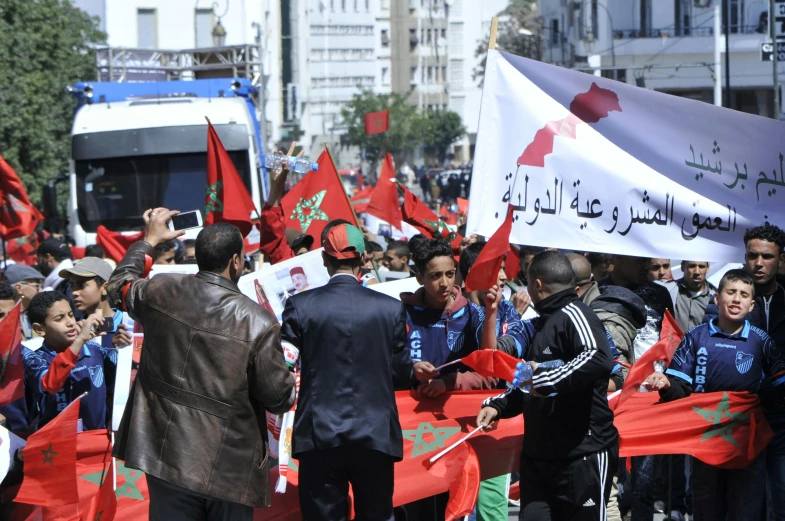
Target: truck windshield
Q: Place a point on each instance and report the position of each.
(116, 191)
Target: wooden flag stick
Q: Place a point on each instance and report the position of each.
(451, 447)
(494, 30)
(449, 363)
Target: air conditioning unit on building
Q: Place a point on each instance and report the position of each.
(702, 3)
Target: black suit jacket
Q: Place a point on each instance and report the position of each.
(352, 343)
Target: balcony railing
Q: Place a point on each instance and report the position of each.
(625, 34)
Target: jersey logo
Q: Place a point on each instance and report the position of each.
(97, 375)
(454, 340)
(743, 362)
(547, 351)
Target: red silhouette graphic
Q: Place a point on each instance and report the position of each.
(588, 107)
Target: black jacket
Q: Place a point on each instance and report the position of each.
(577, 420)
(353, 352)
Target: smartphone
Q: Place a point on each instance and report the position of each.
(186, 220)
(106, 327)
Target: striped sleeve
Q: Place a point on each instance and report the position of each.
(592, 358)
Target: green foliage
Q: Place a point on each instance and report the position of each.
(404, 134)
(45, 45)
(519, 17)
(440, 129)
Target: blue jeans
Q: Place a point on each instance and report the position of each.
(775, 467)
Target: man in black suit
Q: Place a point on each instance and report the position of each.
(353, 355)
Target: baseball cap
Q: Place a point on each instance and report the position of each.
(19, 272)
(52, 246)
(297, 239)
(344, 242)
(88, 267)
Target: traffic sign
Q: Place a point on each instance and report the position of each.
(766, 54)
(779, 19)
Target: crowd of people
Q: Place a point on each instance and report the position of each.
(579, 319)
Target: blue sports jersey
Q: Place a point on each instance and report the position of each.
(508, 322)
(711, 360)
(93, 373)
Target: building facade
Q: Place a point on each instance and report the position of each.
(664, 45)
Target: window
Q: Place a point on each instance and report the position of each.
(356, 9)
(385, 38)
(204, 28)
(428, 36)
(385, 76)
(145, 29)
(367, 6)
(332, 5)
(412, 39)
(444, 33)
(430, 75)
(413, 75)
(645, 17)
(555, 37)
(343, 5)
(444, 74)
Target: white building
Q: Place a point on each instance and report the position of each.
(194, 24)
(664, 45)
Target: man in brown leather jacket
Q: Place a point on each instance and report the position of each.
(211, 364)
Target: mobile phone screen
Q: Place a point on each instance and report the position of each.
(183, 221)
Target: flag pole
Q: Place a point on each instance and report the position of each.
(494, 30)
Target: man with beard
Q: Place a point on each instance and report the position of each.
(691, 294)
(52, 257)
(212, 364)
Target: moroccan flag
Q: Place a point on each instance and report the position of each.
(465, 484)
(365, 193)
(512, 264)
(377, 122)
(18, 217)
(104, 505)
(20, 249)
(228, 200)
(417, 213)
(463, 206)
(115, 244)
(384, 199)
(492, 363)
(50, 462)
(485, 272)
(670, 337)
(725, 429)
(317, 199)
(12, 377)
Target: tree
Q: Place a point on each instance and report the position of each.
(440, 129)
(403, 136)
(519, 32)
(45, 45)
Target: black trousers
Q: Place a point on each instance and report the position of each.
(720, 494)
(567, 490)
(169, 502)
(324, 484)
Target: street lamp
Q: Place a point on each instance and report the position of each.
(219, 34)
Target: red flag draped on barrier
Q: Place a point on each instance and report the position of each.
(227, 200)
(377, 122)
(670, 337)
(384, 199)
(12, 377)
(115, 244)
(317, 199)
(50, 462)
(485, 272)
(18, 216)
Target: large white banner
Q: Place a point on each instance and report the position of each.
(597, 165)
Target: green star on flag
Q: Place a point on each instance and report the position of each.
(49, 456)
(716, 417)
(128, 488)
(440, 229)
(213, 203)
(307, 210)
(439, 434)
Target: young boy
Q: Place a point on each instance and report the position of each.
(88, 278)
(725, 354)
(68, 364)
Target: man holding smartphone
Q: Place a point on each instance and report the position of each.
(212, 364)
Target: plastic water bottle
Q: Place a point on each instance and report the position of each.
(524, 373)
(301, 165)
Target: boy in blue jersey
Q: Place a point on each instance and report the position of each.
(67, 364)
(725, 354)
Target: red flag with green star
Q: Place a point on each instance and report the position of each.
(417, 213)
(18, 216)
(50, 462)
(317, 199)
(227, 199)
